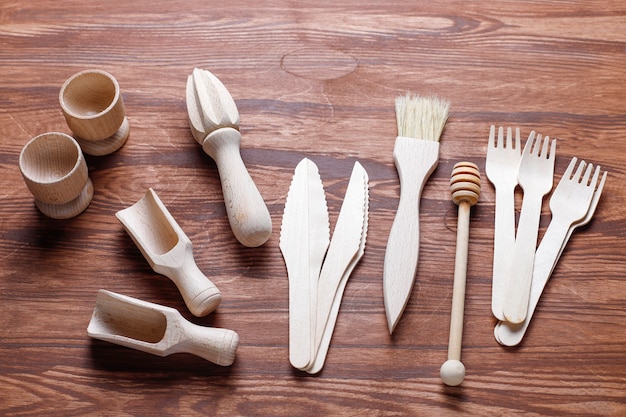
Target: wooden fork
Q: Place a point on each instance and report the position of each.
(569, 198)
(536, 172)
(501, 167)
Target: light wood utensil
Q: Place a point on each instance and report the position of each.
(318, 270)
(416, 155)
(214, 122)
(465, 190)
(536, 176)
(54, 170)
(158, 330)
(571, 196)
(169, 251)
(304, 239)
(501, 167)
(346, 249)
(92, 104)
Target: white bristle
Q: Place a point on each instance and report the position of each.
(421, 117)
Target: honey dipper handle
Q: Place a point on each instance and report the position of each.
(247, 213)
(458, 292)
(453, 370)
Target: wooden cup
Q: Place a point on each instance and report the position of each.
(55, 172)
(93, 107)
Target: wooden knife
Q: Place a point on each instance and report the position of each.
(304, 239)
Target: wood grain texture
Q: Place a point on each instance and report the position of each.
(314, 80)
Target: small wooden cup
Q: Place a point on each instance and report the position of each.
(55, 172)
(93, 107)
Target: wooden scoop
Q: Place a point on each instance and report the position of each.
(214, 122)
(158, 330)
(169, 251)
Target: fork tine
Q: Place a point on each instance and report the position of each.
(570, 168)
(579, 173)
(492, 137)
(595, 198)
(537, 145)
(517, 138)
(552, 154)
(599, 188)
(594, 180)
(509, 138)
(500, 137)
(529, 144)
(585, 180)
(543, 153)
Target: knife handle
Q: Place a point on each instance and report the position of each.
(247, 213)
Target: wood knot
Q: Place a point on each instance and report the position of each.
(318, 63)
(465, 183)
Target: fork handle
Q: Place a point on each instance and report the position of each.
(518, 291)
(546, 257)
(503, 245)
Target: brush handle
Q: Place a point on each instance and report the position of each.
(415, 160)
(215, 345)
(248, 216)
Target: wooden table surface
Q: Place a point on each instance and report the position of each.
(316, 80)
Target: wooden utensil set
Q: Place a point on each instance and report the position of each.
(55, 171)
(318, 268)
(521, 269)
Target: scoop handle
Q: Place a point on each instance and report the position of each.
(213, 344)
(199, 292)
(248, 215)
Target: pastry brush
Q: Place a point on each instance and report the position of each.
(416, 154)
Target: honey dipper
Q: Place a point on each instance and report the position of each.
(465, 191)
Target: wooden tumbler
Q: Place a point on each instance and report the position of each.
(55, 172)
(93, 107)
(465, 191)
